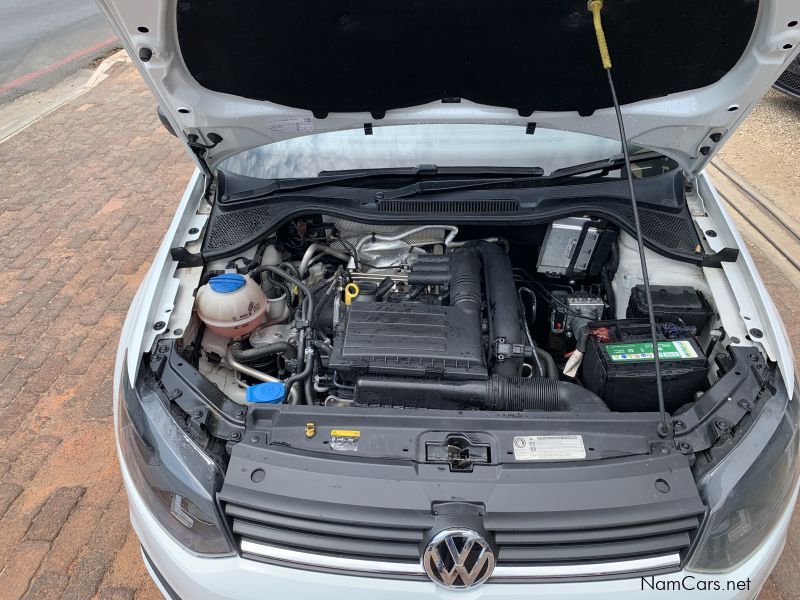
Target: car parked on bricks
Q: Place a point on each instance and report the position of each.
(398, 340)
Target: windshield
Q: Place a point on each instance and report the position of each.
(450, 145)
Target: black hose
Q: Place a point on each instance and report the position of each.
(304, 366)
(496, 393)
(550, 369)
(307, 309)
(301, 375)
(386, 286)
(259, 352)
(505, 316)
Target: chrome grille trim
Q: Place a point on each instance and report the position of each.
(309, 559)
(294, 558)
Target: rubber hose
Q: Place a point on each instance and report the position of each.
(258, 352)
(505, 316)
(496, 393)
(551, 371)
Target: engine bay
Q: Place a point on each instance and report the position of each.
(331, 312)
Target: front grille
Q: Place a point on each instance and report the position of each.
(354, 537)
(523, 540)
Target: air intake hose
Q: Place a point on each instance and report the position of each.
(505, 317)
(496, 393)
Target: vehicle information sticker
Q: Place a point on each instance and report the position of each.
(345, 440)
(549, 447)
(291, 125)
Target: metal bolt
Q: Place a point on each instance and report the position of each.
(679, 425)
(254, 439)
(311, 430)
(193, 230)
(197, 414)
(756, 333)
(722, 424)
(684, 447)
(745, 405)
(711, 233)
(159, 325)
(176, 393)
(236, 435)
(239, 414)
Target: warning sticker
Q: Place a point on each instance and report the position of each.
(549, 447)
(345, 440)
(291, 125)
(671, 350)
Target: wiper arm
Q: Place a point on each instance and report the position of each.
(602, 166)
(606, 165)
(326, 178)
(274, 186)
(447, 185)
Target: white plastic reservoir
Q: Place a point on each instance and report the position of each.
(231, 304)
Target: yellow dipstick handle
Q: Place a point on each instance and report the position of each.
(350, 291)
(595, 6)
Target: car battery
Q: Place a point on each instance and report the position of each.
(618, 366)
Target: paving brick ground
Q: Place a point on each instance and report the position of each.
(85, 197)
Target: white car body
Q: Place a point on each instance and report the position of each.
(678, 126)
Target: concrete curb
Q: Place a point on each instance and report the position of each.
(31, 108)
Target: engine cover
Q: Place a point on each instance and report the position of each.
(409, 339)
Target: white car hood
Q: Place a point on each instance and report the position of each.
(235, 76)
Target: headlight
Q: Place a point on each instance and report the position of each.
(746, 513)
(175, 479)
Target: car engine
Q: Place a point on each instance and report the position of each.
(338, 313)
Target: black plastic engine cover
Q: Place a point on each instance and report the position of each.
(409, 339)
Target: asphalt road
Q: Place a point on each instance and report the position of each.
(43, 41)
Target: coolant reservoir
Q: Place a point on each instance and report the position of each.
(231, 305)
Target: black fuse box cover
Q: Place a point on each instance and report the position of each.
(630, 386)
(670, 301)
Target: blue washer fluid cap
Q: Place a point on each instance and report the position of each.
(270, 392)
(226, 283)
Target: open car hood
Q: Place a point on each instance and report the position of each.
(237, 75)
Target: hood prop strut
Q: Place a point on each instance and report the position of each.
(595, 7)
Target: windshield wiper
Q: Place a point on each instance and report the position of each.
(603, 167)
(325, 178)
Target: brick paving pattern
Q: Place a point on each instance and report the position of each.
(86, 195)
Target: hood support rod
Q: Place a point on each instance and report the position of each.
(595, 7)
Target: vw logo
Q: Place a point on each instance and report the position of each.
(458, 559)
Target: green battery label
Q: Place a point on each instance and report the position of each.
(671, 350)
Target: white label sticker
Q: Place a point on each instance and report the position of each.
(549, 447)
(291, 125)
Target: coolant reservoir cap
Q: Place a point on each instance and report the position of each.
(270, 392)
(227, 283)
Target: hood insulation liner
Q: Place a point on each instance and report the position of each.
(377, 55)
